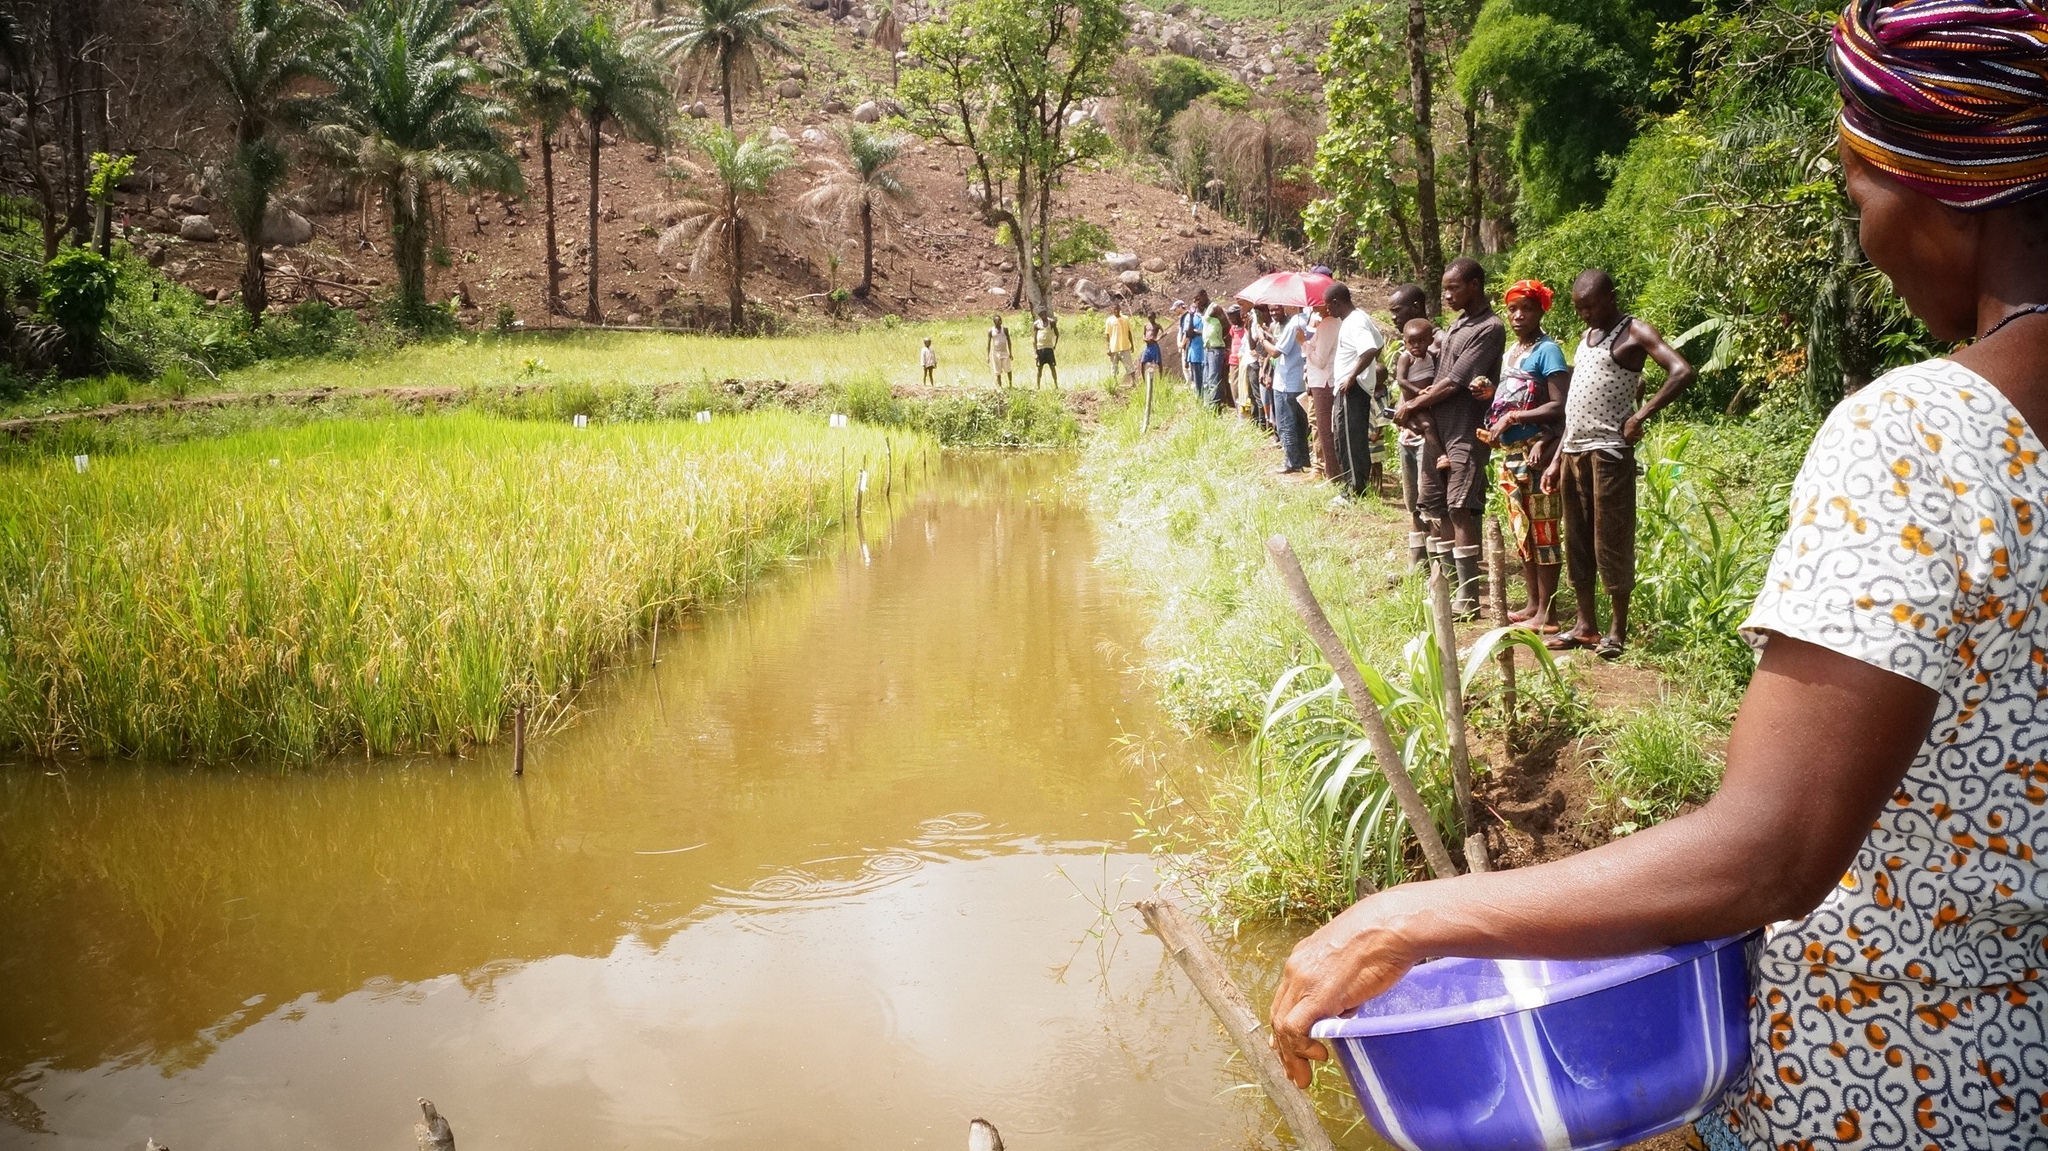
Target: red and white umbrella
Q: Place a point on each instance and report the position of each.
(1287, 289)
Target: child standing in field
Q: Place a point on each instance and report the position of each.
(929, 361)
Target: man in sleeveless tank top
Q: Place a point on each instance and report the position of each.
(1596, 465)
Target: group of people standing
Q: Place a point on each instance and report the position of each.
(1310, 374)
(1565, 433)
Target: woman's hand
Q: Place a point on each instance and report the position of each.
(1501, 425)
(1348, 961)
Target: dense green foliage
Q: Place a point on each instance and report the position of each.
(198, 600)
(1003, 79)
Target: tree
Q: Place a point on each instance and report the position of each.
(257, 52)
(1422, 137)
(862, 191)
(715, 221)
(888, 36)
(621, 84)
(722, 38)
(538, 66)
(406, 114)
(1004, 79)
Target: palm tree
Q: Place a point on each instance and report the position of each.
(715, 224)
(724, 38)
(621, 84)
(257, 50)
(538, 66)
(888, 36)
(863, 190)
(405, 114)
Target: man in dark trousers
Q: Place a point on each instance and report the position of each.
(1453, 498)
(1595, 468)
(1354, 376)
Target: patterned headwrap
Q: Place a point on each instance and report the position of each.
(1528, 290)
(1948, 96)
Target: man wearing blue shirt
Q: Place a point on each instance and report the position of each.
(1188, 329)
(1290, 348)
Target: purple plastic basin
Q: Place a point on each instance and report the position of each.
(1493, 1055)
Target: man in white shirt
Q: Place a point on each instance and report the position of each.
(1355, 376)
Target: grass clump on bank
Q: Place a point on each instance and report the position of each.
(380, 585)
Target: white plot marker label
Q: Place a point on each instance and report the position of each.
(863, 488)
(80, 463)
(582, 421)
(838, 420)
(704, 417)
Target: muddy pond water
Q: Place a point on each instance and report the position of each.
(830, 875)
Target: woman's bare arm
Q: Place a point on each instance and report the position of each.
(1820, 744)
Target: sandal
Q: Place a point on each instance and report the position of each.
(1570, 641)
(1609, 648)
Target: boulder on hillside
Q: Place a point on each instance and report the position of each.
(197, 227)
(834, 107)
(868, 112)
(1154, 265)
(1134, 280)
(778, 136)
(789, 89)
(1120, 261)
(1092, 294)
(699, 112)
(283, 227)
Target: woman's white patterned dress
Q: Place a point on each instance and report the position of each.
(1909, 1009)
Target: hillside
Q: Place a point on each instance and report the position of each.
(942, 261)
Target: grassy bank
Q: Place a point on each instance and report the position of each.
(380, 584)
(1185, 513)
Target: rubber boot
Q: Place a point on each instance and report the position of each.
(1439, 552)
(1418, 550)
(1469, 588)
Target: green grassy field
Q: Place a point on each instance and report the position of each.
(871, 353)
(380, 584)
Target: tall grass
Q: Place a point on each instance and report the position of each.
(380, 585)
(1655, 761)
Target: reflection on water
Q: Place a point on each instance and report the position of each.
(827, 877)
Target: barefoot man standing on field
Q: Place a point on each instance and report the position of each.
(1595, 466)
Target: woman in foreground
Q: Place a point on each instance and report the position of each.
(1885, 804)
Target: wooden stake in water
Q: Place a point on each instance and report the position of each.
(654, 646)
(1184, 941)
(1384, 751)
(889, 471)
(1454, 708)
(1497, 575)
(519, 741)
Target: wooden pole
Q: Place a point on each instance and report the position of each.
(1497, 574)
(519, 741)
(860, 489)
(1454, 713)
(1383, 750)
(889, 471)
(1184, 941)
(1145, 425)
(654, 648)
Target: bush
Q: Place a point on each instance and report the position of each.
(1078, 241)
(1655, 762)
(78, 291)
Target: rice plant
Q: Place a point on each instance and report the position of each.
(381, 584)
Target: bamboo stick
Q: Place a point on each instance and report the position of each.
(1383, 750)
(519, 741)
(1497, 574)
(1145, 425)
(1454, 717)
(1184, 941)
